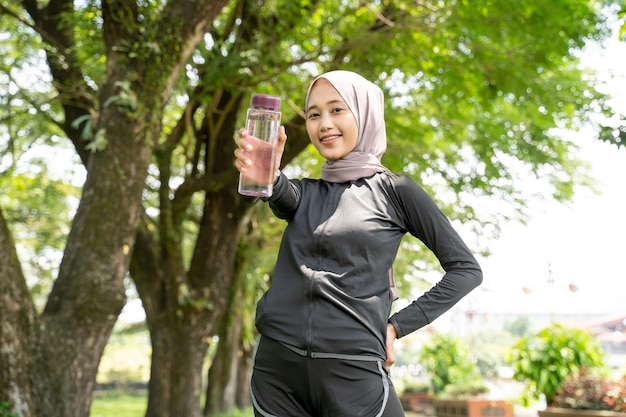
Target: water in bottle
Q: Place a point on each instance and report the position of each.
(262, 124)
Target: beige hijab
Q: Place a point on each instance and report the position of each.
(366, 101)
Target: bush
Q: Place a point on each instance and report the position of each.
(590, 390)
(413, 387)
(471, 389)
(544, 360)
(447, 362)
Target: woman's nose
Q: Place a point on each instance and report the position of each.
(325, 122)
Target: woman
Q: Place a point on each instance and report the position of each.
(326, 340)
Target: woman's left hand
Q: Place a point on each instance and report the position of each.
(391, 337)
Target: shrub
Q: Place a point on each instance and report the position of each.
(589, 390)
(447, 362)
(544, 360)
(413, 387)
(471, 389)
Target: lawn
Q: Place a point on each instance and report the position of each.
(114, 404)
(127, 358)
(118, 405)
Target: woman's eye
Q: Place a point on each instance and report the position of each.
(337, 110)
(312, 115)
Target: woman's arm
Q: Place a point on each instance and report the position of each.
(285, 198)
(425, 220)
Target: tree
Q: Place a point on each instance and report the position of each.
(55, 354)
(519, 327)
(230, 370)
(150, 94)
(615, 132)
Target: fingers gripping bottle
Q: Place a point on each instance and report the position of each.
(262, 123)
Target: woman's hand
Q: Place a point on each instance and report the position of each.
(252, 156)
(391, 337)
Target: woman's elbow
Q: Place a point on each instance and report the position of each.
(476, 276)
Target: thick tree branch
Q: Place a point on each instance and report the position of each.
(76, 97)
(180, 31)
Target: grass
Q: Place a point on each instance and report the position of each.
(127, 358)
(238, 413)
(117, 404)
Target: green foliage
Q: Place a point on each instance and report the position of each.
(622, 16)
(39, 208)
(475, 90)
(544, 360)
(520, 327)
(481, 88)
(5, 410)
(614, 135)
(411, 386)
(446, 362)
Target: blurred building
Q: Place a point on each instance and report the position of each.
(611, 333)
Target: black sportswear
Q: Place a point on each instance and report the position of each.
(329, 295)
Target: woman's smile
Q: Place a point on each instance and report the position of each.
(329, 139)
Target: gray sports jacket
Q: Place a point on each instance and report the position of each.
(329, 295)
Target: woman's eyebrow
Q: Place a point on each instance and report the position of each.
(331, 102)
(310, 108)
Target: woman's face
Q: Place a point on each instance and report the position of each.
(331, 126)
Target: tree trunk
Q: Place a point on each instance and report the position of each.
(225, 386)
(229, 374)
(222, 379)
(89, 292)
(63, 346)
(59, 355)
(175, 380)
(243, 398)
(183, 308)
(18, 335)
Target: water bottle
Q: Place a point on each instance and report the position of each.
(262, 123)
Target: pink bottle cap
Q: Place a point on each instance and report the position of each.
(265, 101)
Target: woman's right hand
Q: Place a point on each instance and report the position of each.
(247, 145)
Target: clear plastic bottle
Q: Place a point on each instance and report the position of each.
(262, 122)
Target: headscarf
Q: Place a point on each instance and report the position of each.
(366, 101)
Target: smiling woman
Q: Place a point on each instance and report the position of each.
(332, 289)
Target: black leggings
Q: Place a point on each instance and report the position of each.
(287, 384)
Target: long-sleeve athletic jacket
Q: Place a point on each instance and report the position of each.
(330, 294)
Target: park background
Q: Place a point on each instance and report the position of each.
(102, 122)
(564, 264)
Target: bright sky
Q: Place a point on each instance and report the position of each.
(582, 244)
